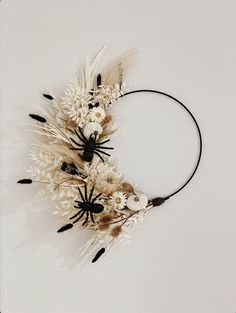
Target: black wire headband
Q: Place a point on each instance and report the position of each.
(72, 161)
(159, 200)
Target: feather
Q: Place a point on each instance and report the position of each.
(89, 72)
(115, 72)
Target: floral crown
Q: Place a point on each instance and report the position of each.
(73, 160)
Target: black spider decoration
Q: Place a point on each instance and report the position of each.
(87, 205)
(90, 146)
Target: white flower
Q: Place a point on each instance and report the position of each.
(92, 128)
(137, 202)
(118, 200)
(97, 114)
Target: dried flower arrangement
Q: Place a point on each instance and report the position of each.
(73, 162)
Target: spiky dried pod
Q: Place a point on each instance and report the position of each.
(105, 219)
(127, 187)
(115, 232)
(103, 227)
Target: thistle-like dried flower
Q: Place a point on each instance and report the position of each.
(127, 187)
(115, 232)
(105, 219)
(103, 227)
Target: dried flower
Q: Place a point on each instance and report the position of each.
(127, 187)
(118, 200)
(103, 227)
(107, 182)
(107, 120)
(137, 202)
(115, 232)
(97, 114)
(92, 128)
(105, 218)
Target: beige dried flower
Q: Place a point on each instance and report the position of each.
(115, 232)
(107, 183)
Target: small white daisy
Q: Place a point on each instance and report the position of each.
(97, 114)
(118, 200)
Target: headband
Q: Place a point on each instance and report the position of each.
(73, 160)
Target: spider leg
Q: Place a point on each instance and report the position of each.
(98, 155)
(76, 143)
(85, 192)
(81, 215)
(102, 152)
(101, 143)
(91, 216)
(81, 195)
(91, 194)
(86, 219)
(71, 218)
(81, 138)
(109, 148)
(82, 134)
(97, 196)
(79, 202)
(77, 149)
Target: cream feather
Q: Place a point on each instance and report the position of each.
(116, 71)
(89, 72)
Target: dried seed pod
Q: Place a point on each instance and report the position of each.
(115, 232)
(105, 219)
(103, 227)
(127, 187)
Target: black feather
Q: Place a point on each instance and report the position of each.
(38, 118)
(65, 227)
(97, 256)
(25, 181)
(49, 97)
(99, 80)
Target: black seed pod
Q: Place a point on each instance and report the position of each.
(25, 181)
(38, 118)
(99, 80)
(97, 256)
(65, 227)
(49, 97)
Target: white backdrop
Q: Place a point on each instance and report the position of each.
(182, 258)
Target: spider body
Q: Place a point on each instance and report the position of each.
(90, 146)
(87, 206)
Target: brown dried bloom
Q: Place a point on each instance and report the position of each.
(107, 120)
(116, 231)
(106, 219)
(71, 123)
(127, 187)
(103, 227)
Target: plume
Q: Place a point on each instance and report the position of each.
(89, 72)
(116, 71)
